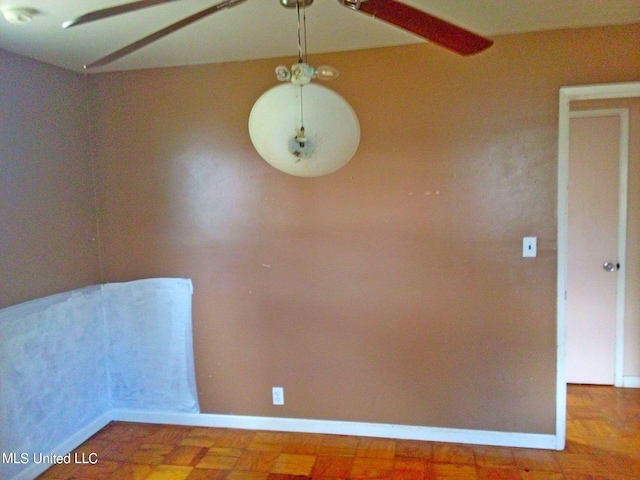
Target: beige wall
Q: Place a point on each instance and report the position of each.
(47, 215)
(390, 291)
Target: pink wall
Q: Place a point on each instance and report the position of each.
(47, 214)
(390, 291)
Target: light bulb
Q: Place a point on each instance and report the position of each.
(282, 73)
(325, 72)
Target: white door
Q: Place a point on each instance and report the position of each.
(593, 261)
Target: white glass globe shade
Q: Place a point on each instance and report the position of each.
(331, 129)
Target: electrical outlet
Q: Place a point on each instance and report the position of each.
(278, 395)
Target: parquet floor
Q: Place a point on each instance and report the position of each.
(603, 433)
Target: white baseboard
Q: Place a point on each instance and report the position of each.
(74, 441)
(405, 432)
(630, 382)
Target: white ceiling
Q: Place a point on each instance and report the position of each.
(264, 29)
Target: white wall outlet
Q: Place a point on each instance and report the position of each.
(278, 395)
(530, 246)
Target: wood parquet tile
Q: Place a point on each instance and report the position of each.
(603, 443)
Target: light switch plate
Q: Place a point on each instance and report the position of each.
(530, 247)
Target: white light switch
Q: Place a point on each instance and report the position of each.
(530, 246)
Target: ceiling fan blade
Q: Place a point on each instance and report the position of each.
(432, 28)
(112, 11)
(143, 42)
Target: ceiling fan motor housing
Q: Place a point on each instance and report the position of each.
(352, 4)
(296, 3)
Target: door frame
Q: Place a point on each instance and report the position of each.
(566, 96)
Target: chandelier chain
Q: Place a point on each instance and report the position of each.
(302, 30)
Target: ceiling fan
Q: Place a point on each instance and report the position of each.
(416, 21)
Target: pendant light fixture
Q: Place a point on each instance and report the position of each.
(300, 128)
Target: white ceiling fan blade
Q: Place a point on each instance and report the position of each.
(113, 11)
(143, 42)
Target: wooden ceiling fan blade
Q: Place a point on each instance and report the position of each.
(432, 28)
(143, 42)
(113, 11)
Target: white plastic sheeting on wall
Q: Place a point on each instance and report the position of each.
(150, 345)
(53, 371)
(68, 359)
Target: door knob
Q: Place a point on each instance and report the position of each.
(610, 266)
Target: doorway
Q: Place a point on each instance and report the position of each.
(566, 96)
(597, 220)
